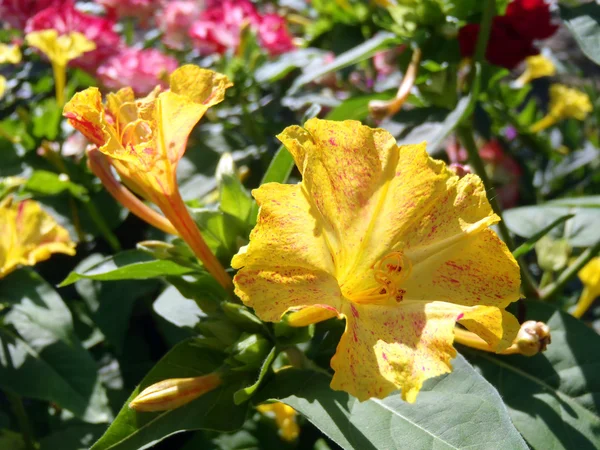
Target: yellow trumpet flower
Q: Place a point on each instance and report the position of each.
(10, 54)
(565, 103)
(537, 66)
(285, 418)
(60, 50)
(387, 238)
(144, 139)
(29, 235)
(590, 277)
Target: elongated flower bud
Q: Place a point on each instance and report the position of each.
(174, 392)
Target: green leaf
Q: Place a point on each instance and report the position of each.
(552, 397)
(128, 265)
(355, 108)
(74, 437)
(527, 246)
(581, 230)
(50, 183)
(246, 393)
(458, 410)
(234, 198)
(40, 357)
(172, 306)
(380, 41)
(215, 410)
(222, 232)
(584, 23)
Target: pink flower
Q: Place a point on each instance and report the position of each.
(274, 35)
(130, 8)
(65, 18)
(17, 12)
(220, 26)
(143, 70)
(175, 21)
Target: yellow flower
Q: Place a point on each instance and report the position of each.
(387, 238)
(536, 67)
(145, 138)
(29, 235)
(10, 54)
(285, 418)
(565, 103)
(60, 50)
(590, 277)
(2, 86)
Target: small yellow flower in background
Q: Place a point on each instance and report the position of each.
(29, 235)
(144, 139)
(590, 277)
(10, 54)
(565, 103)
(285, 418)
(60, 50)
(174, 393)
(387, 238)
(537, 66)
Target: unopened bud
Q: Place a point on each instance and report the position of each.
(174, 392)
(533, 337)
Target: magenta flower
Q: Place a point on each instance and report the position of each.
(142, 9)
(65, 18)
(143, 70)
(17, 12)
(220, 26)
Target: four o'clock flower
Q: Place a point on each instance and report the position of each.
(590, 277)
(60, 50)
(387, 238)
(29, 235)
(565, 103)
(145, 138)
(535, 67)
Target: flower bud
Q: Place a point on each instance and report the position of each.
(533, 337)
(310, 315)
(174, 392)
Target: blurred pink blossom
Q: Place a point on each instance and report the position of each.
(175, 21)
(142, 9)
(17, 12)
(274, 35)
(66, 18)
(143, 70)
(220, 26)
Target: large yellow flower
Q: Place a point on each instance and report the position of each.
(387, 238)
(29, 235)
(145, 138)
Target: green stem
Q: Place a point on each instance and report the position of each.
(466, 137)
(23, 421)
(489, 11)
(553, 289)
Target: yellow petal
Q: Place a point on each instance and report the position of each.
(10, 54)
(29, 235)
(85, 113)
(285, 418)
(566, 102)
(2, 86)
(192, 91)
(60, 49)
(590, 276)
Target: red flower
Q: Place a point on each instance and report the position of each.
(17, 12)
(65, 18)
(512, 35)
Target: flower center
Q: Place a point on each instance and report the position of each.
(388, 273)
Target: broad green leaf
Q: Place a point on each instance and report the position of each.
(222, 232)
(40, 357)
(275, 70)
(172, 306)
(380, 41)
(234, 198)
(50, 183)
(552, 397)
(581, 230)
(128, 265)
(76, 436)
(247, 392)
(454, 411)
(111, 302)
(584, 23)
(215, 410)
